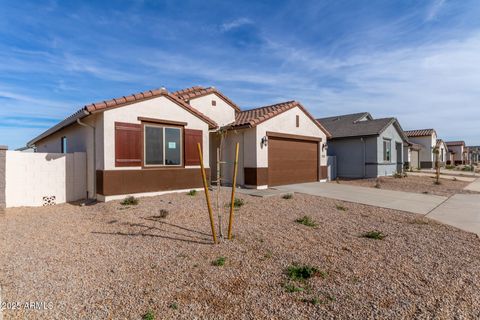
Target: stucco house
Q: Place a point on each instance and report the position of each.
(457, 152)
(442, 152)
(146, 143)
(474, 152)
(427, 139)
(411, 155)
(365, 147)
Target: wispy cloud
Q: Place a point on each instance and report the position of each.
(434, 9)
(227, 26)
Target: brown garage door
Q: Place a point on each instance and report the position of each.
(292, 161)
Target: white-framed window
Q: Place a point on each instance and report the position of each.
(162, 145)
(387, 150)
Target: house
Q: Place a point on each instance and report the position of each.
(365, 147)
(474, 152)
(427, 139)
(442, 152)
(146, 143)
(457, 152)
(411, 156)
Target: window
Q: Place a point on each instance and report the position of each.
(162, 146)
(63, 144)
(214, 103)
(387, 150)
(297, 119)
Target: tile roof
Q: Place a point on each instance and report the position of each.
(455, 143)
(349, 125)
(145, 95)
(253, 117)
(198, 91)
(420, 132)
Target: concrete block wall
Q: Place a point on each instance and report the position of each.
(3, 153)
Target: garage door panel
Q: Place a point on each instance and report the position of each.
(292, 161)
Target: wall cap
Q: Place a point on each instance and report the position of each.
(3, 147)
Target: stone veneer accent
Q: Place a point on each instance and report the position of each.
(3, 154)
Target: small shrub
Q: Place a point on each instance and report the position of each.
(293, 288)
(307, 221)
(163, 213)
(173, 306)
(192, 192)
(377, 235)
(219, 262)
(301, 272)
(449, 166)
(419, 221)
(129, 201)
(313, 301)
(454, 179)
(149, 315)
(377, 184)
(340, 207)
(287, 196)
(398, 175)
(237, 203)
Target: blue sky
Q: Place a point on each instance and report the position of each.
(416, 60)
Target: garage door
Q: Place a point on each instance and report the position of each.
(292, 161)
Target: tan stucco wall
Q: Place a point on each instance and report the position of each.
(158, 108)
(286, 123)
(428, 143)
(222, 113)
(458, 156)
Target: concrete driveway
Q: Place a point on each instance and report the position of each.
(404, 201)
(461, 211)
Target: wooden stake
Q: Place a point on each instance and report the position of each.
(205, 186)
(234, 182)
(219, 179)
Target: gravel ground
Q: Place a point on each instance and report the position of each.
(414, 184)
(112, 262)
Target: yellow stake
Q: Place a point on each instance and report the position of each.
(234, 182)
(205, 186)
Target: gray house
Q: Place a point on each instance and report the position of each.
(365, 147)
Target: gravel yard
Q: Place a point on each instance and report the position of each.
(414, 184)
(109, 261)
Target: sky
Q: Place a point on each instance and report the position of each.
(418, 61)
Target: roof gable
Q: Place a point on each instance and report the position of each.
(420, 133)
(253, 117)
(195, 92)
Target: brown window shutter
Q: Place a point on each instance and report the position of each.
(128, 144)
(192, 137)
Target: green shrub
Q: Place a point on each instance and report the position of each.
(293, 288)
(129, 201)
(449, 166)
(313, 301)
(377, 235)
(219, 262)
(340, 207)
(237, 203)
(148, 316)
(192, 192)
(301, 272)
(287, 196)
(173, 306)
(307, 221)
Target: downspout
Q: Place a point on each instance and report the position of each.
(94, 157)
(364, 157)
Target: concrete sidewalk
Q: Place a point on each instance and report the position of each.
(474, 186)
(404, 201)
(461, 211)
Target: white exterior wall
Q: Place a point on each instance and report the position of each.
(458, 156)
(31, 176)
(157, 108)
(222, 113)
(428, 144)
(286, 123)
(80, 139)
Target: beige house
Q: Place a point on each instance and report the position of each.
(146, 143)
(457, 152)
(427, 139)
(442, 152)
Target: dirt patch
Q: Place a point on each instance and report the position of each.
(414, 184)
(111, 261)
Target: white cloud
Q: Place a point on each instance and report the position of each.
(235, 24)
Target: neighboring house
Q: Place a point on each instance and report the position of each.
(442, 152)
(457, 151)
(365, 147)
(427, 138)
(411, 156)
(474, 152)
(146, 143)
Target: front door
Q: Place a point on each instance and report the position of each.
(399, 148)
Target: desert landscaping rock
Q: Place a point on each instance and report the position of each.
(415, 184)
(112, 262)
